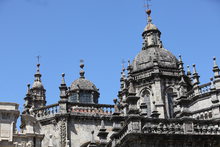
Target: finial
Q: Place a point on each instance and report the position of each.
(181, 68)
(123, 69)
(123, 65)
(212, 83)
(37, 74)
(195, 76)
(63, 78)
(180, 58)
(50, 141)
(28, 85)
(115, 101)
(148, 12)
(188, 70)
(38, 63)
(38, 59)
(102, 124)
(38, 67)
(194, 69)
(149, 19)
(82, 72)
(28, 88)
(215, 63)
(92, 139)
(147, 6)
(129, 68)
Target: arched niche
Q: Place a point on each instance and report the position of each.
(146, 100)
(170, 96)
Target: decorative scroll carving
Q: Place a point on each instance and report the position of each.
(63, 132)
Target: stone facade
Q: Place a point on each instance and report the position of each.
(158, 105)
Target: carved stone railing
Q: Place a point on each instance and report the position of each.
(47, 111)
(150, 126)
(91, 109)
(205, 88)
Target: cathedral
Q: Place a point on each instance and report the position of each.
(159, 104)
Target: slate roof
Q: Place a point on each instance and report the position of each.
(83, 84)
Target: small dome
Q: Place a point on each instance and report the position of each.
(146, 57)
(37, 84)
(151, 27)
(82, 84)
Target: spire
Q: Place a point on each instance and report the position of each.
(38, 90)
(37, 81)
(82, 72)
(151, 34)
(195, 76)
(188, 71)
(28, 100)
(181, 68)
(63, 88)
(123, 77)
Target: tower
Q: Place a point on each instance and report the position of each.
(36, 95)
(38, 91)
(156, 75)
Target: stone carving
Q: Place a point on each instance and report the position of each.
(63, 133)
(30, 144)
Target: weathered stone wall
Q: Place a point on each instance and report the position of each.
(202, 103)
(80, 130)
(51, 129)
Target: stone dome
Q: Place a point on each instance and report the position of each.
(82, 84)
(151, 27)
(145, 58)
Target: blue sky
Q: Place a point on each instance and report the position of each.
(100, 32)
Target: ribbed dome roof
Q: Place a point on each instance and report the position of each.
(146, 57)
(83, 84)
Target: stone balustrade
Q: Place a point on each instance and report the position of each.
(205, 88)
(47, 111)
(91, 109)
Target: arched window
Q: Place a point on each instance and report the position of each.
(170, 102)
(145, 95)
